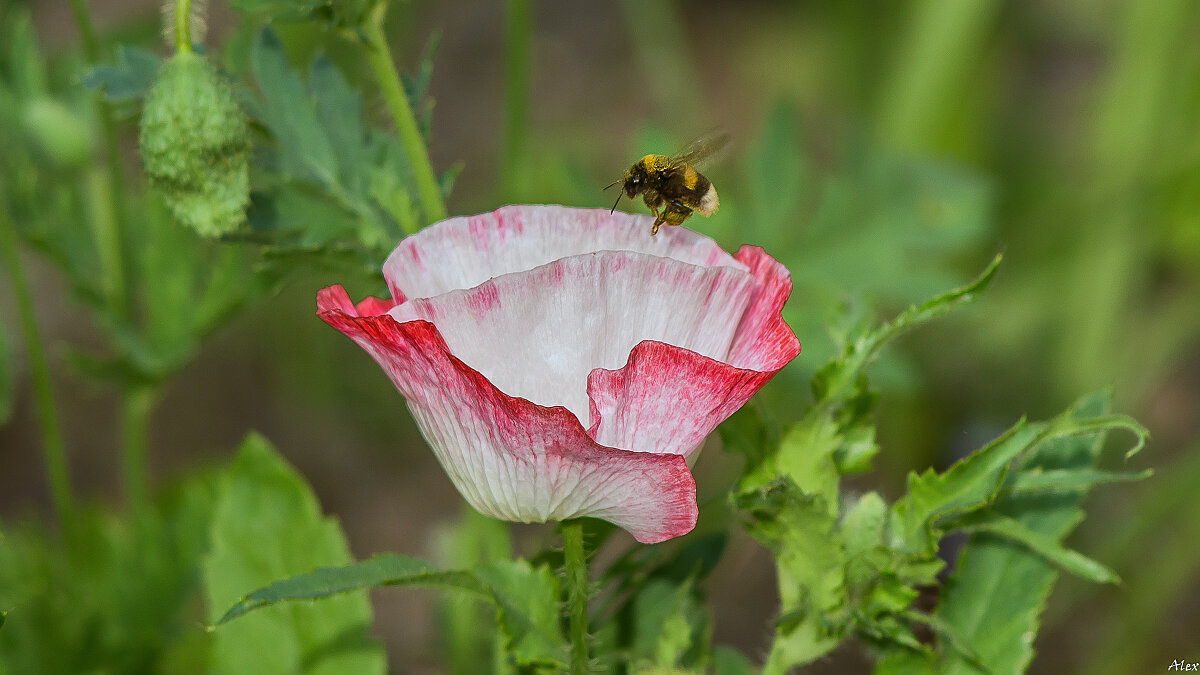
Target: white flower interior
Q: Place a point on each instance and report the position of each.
(538, 333)
(462, 253)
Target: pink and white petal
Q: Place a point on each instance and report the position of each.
(666, 398)
(508, 457)
(764, 341)
(670, 399)
(537, 334)
(464, 252)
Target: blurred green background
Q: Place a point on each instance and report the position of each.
(883, 151)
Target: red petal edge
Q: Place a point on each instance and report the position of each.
(509, 457)
(669, 398)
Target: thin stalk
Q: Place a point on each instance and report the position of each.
(136, 403)
(52, 443)
(115, 204)
(517, 60)
(106, 232)
(183, 26)
(379, 56)
(577, 594)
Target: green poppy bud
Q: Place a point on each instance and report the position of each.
(195, 147)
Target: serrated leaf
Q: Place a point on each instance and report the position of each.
(995, 596)
(969, 484)
(528, 612)
(839, 379)
(810, 560)
(1068, 480)
(1046, 546)
(862, 527)
(130, 75)
(306, 150)
(669, 624)
(268, 526)
(385, 569)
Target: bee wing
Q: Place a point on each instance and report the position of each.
(702, 150)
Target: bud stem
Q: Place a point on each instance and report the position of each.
(53, 448)
(183, 26)
(380, 58)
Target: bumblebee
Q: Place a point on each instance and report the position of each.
(672, 184)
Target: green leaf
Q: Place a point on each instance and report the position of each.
(1069, 480)
(467, 630)
(334, 181)
(130, 76)
(1044, 545)
(969, 484)
(839, 379)
(669, 623)
(287, 10)
(729, 661)
(385, 569)
(107, 596)
(306, 149)
(996, 594)
(267, 526)
(810, 561)
(528, 612)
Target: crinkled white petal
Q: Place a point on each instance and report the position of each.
(538, 334)
(465, 252)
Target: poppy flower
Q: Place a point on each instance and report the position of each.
(563, 363)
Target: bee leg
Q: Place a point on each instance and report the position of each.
(676, 213)
(658, 220)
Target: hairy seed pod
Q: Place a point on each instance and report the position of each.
(194, 145)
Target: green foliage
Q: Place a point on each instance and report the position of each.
(111, 595)
(463, 620)
(525, 597)
(331, 184)
(859, 575)
(286, 535)
(194, 145)
(996, 594)
(130, 76)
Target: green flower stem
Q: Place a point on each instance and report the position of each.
(52, 443)
(577, 593)
(136, 403)
(183, 26)
(91, 49)
(107, 234)
(379, 56)
(517, 57)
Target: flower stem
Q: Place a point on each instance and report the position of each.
(517, 58)
(114, 205)
(52, 443)
(379, 56)
(136, 403)
(577, 593)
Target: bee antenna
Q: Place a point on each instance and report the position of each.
(612, 184)
(614, 208)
